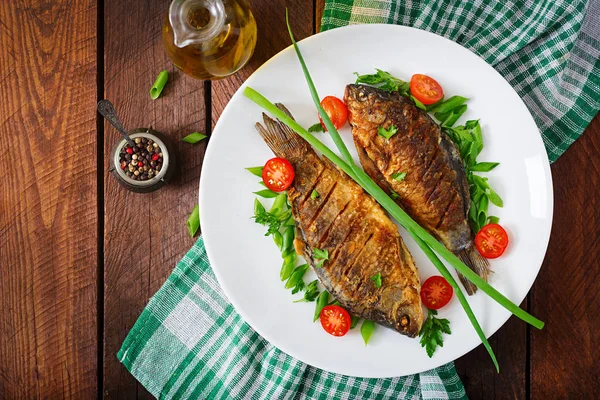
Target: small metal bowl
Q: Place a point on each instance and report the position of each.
(154, 183)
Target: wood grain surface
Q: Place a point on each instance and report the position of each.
(72, 241)
(145, 234)
(48, 218)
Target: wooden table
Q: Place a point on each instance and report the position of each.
(80, 256)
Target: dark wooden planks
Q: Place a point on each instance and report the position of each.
(566, 295)
(48, 215)
(272, 38)
(145, 234)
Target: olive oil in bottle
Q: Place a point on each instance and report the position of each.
(209, 39)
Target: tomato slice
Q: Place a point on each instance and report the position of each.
(425, 89)
(436, 292)
(491, 241)
(278, 174)
(335, 320)
(336, 110)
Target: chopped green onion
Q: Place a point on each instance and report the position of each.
(296, 276)
(159, 84)
(314, 195)
(286, 271)
(449, 105)
(193, 221)
(366, 330)
(394, 195)
(354, 321)
(493, 220)
(484, 166)
(194, 137)
(418, 103)
(278, 239)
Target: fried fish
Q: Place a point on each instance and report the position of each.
(420, 164)
(360, 239)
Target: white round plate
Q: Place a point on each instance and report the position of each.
(247, 263)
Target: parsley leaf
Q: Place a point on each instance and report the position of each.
(377, 279)
(386, 81)
(399, 176)
(311, 291)
(320, 256)
(394, 195)
(431, 332)
(316, 128)
(387, 133)
(262, 217)
(314, 195)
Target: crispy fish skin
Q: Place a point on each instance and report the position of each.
(434, 191)
(359, 237)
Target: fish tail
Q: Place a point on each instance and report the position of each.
(477, 263)
(283, 141)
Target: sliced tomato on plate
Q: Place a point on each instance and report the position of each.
(425, 89)
(436, 292)
(491, 241)
(278, 174)
(336, 110)
(335, 320)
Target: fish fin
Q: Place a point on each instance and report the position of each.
(283, 141)
(477, 263)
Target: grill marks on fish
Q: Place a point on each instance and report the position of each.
(434, 192)
(360, 239)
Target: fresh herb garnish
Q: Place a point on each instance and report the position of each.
(310, 293)
(314, 195)
(418, 103)
(262, 217)
(320, 256)
(266, 193)
(296, 278)
(399, 176)
(316, 128)
(194, 137)
(256, 171)
(431, 332)
(322, 301)
(387, 133)
(366, 330)
(193, 221)
(354, 321)
(394, 195)
(385, 81)
(377, 279)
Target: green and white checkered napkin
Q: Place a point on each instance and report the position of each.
(548, 50)
(190, 343)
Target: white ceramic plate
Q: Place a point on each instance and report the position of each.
(247, 263)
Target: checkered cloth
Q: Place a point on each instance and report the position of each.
(190, 343)
(548, 50)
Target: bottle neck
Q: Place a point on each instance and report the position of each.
(196, 21)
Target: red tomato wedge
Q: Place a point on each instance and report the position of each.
(491, 241)
(335, 320)
(425, 89)
(436, 292)
(278, 174)
(336, 110)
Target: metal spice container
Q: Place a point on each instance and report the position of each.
(148, 169)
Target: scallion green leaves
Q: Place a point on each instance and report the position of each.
(399, 176)
(159, 84)
(194, 137)
(314, 195)
(322, 301)
(193, 221)
(255, 171)
(385, 81)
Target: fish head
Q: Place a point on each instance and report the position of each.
(408, 319)
(404, 303)
(367, 104)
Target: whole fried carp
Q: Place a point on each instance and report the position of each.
(360, 239)
(434, 190)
